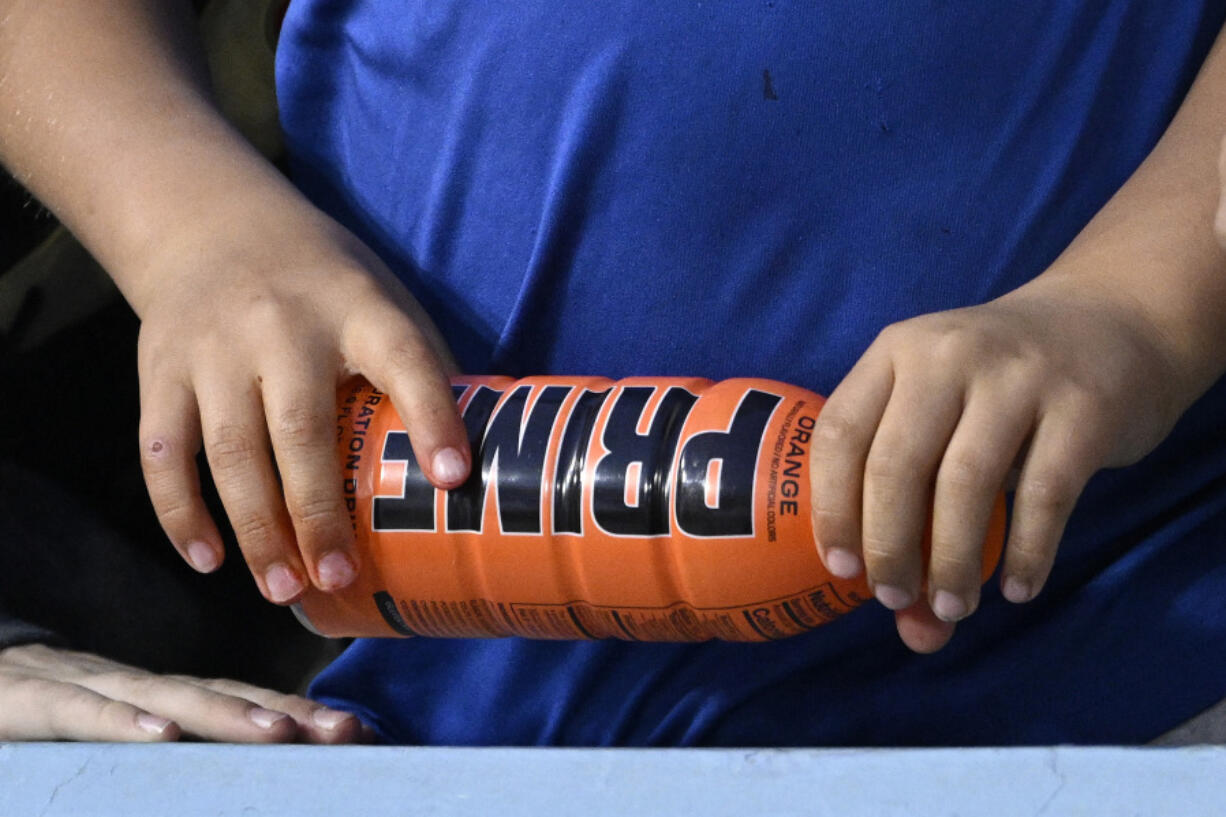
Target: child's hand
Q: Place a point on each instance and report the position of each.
(1057, 379)
(246, 335)
(254, 305)
(48, 693)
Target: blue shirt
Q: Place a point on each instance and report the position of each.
(758, 188)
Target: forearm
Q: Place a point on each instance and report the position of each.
(1153, 245)
(105, 115)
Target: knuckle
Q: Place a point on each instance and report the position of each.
(36, 654)
(949, 348)
(432, 413)
(214, 692)
(1047, 494)
(158, 359)
(114, 714)
(830, 525)
(232, 447)
(834, 429)
(278, 313)
(965, 472)
(954, 565)
(885, 556)
(1092, 399)
(317, 516)
(1020, 366)
(73, 708)
(408, 353)
(298, 426)
(78, 711)
(20, 687)
(892, 335)
(256, 532)
(174, 511)
(223, 704)
(221, 686)
(1030, 557)
(890, 464)
(122, 679)
(225, 688)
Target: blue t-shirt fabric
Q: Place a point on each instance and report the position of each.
(757, 189)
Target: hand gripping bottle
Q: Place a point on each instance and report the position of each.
(648, 509)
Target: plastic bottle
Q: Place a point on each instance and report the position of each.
(652, 509)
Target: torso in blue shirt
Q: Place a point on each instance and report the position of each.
(758, 188)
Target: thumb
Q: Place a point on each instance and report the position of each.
(921, 630)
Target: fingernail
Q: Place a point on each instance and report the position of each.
(448, 465)
(265, 718)
(1016, 590)
(843, 563)
(152, 723)
(892, 597)
(283, 585)
(203, 557)
(329, 718)
(948, 607)
(336, 570)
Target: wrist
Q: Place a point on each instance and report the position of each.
(1171, 333)
(202, 219)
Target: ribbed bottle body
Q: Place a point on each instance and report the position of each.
(652, 509)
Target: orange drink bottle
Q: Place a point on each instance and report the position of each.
(647, 509)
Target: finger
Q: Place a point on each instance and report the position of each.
(841, 439)
(317, 723)
(397, 358)
(52, 663)
(236, 443)
(41, 709)
(301, 423)
(1219, 223)
(406, 306)
(215, 713)
(898, 478)
(169, 442)
(197, 709)
(1063, 455)
(921, 630)
(972, 473)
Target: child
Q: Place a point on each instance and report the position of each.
(700, 190)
